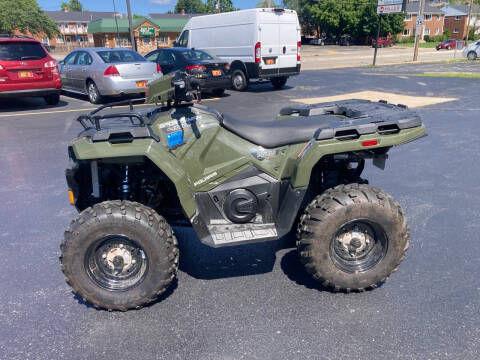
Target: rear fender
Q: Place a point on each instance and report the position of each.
(84, 149)
(312, 153)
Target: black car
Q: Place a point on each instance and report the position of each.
(347, 41)
(212, 73)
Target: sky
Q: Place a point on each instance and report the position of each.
(141, 7)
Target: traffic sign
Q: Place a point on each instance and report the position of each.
(419, 21)
(389, 9)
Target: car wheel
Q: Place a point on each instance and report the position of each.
(239, 80)
(218, 92)
(472, 55)
(93, 93)
(449, 47)
(279, 82)
(52, 99)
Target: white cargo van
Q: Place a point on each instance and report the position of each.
(258, 43)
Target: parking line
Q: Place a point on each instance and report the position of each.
(75, 110)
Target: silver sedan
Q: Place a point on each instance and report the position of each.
(99, 72)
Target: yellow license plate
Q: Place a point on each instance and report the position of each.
(142, 84)
(216, 72)
(270, 61)
(25, 74)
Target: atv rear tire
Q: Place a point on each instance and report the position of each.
(352, 237)
(119, 255)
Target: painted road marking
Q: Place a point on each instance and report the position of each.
(76, 110)
(410, 101)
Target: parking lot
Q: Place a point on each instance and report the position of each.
(255, 301)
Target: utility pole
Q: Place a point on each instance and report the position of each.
(130, 25)
(418, 34)
(219, 6)
(116, 21)
(468, 23)
(378, 35)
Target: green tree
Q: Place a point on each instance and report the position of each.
(264, 4)
(25, 16)
(190, 7)
(225, 6)
(72, 5)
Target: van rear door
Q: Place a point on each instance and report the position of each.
(278, 38)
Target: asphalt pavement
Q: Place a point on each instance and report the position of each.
(254, 301)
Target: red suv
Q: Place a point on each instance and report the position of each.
(26, 69)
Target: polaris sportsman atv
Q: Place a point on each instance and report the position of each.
(134, 174)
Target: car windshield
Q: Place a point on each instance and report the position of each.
(120, 56)
(21, 50)
(197, 55)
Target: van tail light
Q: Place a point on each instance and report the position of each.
(159, 68)
(52, 65)
(111, 71)
(199, 68)
(258, 52)
(299, 47)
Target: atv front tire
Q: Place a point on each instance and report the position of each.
(119, 255)
(352, 237)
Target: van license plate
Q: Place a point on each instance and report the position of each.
(270, 61)
(25, 74)
(142, 84)
(216, 72)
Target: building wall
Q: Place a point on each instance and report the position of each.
(458, 28)
(432, 27)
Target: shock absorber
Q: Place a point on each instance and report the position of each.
(125, 187)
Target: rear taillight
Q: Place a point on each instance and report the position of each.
(159, 68)
(52, 65)
(370, 143)
(111, 71)
(258, 52)
(198, 68)
(299, 47)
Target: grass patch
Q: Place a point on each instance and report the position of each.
(448, 75)
(427, 45)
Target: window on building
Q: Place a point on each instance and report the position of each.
(59, 40)
(85, 25)
(46, 40)
(438, 17)
(427, 17)
(122, 41)
(163, 39)
(146, 41)
(458, 17)
(437, 31)
(455, 30)
(426, 31)
(408, 17)
(406, 32)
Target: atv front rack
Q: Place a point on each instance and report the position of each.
(95, 119)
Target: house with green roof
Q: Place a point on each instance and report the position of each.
(150, 33)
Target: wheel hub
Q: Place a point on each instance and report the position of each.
(353, 243)
(119, 259)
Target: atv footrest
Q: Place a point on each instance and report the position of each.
(234, 234)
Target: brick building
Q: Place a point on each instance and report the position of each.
(433, 20)
(149, 33)
(456, 19)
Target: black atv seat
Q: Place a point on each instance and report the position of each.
(343, 120)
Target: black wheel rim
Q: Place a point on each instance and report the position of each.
(358, 246)
(116, 263)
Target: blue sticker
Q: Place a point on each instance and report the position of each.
(175, 138)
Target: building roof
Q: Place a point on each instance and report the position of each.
(413, 7)
(466, 8)
(450, 10)
(108, 25)
(79, 16)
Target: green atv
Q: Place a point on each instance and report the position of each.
(135, 174)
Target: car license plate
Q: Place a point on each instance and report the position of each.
(270, 61)
(25, 74)
(216, 72)
(142, 84)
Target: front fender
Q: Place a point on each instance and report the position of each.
(85, 149)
